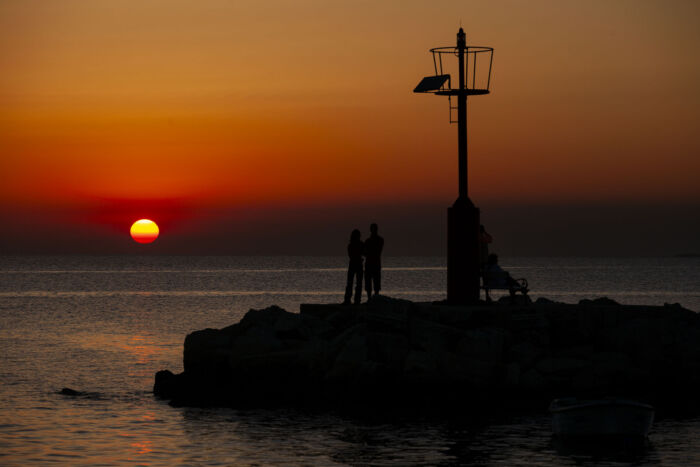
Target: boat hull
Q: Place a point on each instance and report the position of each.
(602, 418)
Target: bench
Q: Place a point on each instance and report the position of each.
(501, 280)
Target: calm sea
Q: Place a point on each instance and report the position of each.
(105, 325)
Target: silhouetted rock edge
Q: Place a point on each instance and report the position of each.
(399, 352)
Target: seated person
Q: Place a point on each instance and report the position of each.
(484, 240)
(497, 278)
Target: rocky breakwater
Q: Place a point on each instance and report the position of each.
(396, 351)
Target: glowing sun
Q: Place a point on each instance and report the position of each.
(144, 231)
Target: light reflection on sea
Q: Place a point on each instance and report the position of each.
(105, 325)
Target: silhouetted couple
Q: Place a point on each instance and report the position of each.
(371, 249)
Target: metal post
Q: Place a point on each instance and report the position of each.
(462, 117)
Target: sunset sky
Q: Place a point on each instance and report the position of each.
(249, 127)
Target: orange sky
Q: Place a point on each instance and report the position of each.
(247, 103)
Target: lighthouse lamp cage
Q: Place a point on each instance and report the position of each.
(478, 62)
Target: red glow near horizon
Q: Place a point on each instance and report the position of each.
(190, 122)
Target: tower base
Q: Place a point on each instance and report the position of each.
(463, 273)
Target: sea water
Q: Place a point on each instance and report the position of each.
(105, 325)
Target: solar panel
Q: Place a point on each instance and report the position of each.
(431, 83)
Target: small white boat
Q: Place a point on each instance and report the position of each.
(601, 417)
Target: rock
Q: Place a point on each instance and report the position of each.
(685, 345)
(165, 384)
(350, 360)
(390, 351)
(266, 317)
(609, 378)
(315, 355)
(643, 338)
(82, 394)
(384, 303)
(421, 366)
(512, 375)
(560, 365)
(318, 328)
(525, 353)
(616, 361)
(206, 350)
(338, 342)
(258, 340)
(483, 343)
(459, 317)
(341, 320)
(602, 301)
(532, 381)
(581, 352)
(516, 300)
(479, 373)
(290, 326)
(433, 337)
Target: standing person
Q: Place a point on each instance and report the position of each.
(355, 249)
(373, 263)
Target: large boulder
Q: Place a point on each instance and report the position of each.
(488, 344)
